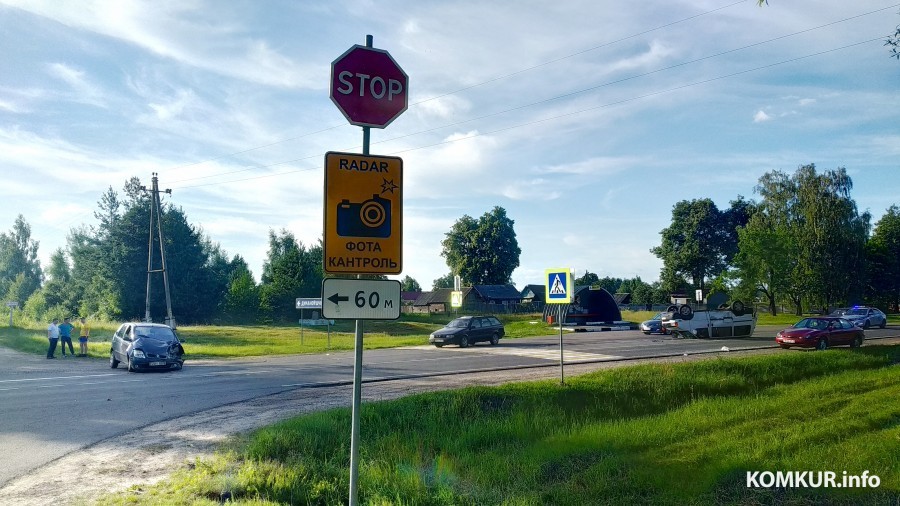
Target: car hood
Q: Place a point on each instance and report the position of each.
(156, 346)
(447, 331)
(799, 333)
(651, 323)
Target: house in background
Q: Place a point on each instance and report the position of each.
(478, 298)
(498, 294)
(409, 298)
(438, 301)
(533, 293)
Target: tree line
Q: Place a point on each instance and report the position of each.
(804, 245)
(102, 271)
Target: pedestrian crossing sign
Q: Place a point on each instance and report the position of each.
(558, 286)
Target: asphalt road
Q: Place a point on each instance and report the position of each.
(49, 408)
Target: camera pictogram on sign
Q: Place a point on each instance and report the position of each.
(371, 218)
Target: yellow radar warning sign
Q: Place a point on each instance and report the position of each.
(363, 215)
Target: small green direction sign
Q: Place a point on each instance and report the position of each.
(558, 286)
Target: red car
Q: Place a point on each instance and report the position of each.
(820, 333)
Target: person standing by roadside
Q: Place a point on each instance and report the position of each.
(53, 337)
(65, 336)
(83, 336)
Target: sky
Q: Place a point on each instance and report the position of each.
(587, 120)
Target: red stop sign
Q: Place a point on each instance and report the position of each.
(368, 86)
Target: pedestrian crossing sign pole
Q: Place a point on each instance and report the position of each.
(558, 289)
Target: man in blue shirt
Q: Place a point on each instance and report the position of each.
(65, 336)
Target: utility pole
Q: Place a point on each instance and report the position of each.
(156, 211)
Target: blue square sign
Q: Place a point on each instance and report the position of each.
(558, 286)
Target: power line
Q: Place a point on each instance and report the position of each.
(482, 83)
(570, 94)
(559, 116)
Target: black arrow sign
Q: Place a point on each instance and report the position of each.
(338, 298)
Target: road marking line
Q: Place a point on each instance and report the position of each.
(547, 354)
(56, 378)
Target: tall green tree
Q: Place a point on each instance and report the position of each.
(807, 239)
(483, 251)
(883, 253)
(57, 289)
(832, 240)
(242, 300)
(291, 270)
(588, 279)
(110, 260)
(20, 268)
(409, 284)
(765, 257)
(445, 281)
(696, 244)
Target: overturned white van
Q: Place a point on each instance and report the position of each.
(727, 321)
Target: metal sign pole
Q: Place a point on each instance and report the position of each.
(301, 326)
(357, 371)
(562, 373)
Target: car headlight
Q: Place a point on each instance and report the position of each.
(138, 354)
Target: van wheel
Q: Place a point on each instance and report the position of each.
(672, 309)
(686, 312)
(737, 307)
(495, 339)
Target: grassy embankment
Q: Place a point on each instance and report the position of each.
(655, 434)
(250, 341)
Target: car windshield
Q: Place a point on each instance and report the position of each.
(658, 316)
(459, 323)
(811, 323)
(855, 312)
(164, 334)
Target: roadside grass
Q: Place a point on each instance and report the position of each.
(236, 341)
(682, 433)
(33, 339)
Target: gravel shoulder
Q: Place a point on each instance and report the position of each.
(139, 457)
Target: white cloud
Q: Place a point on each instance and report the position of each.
(761, 116)
(655, 53)
(531, 189)
(595, 166)
(191, 32)
(86, 92)
(806, 101)
(442, 108)
(456, 164)
(173, 107)
(9, 106)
